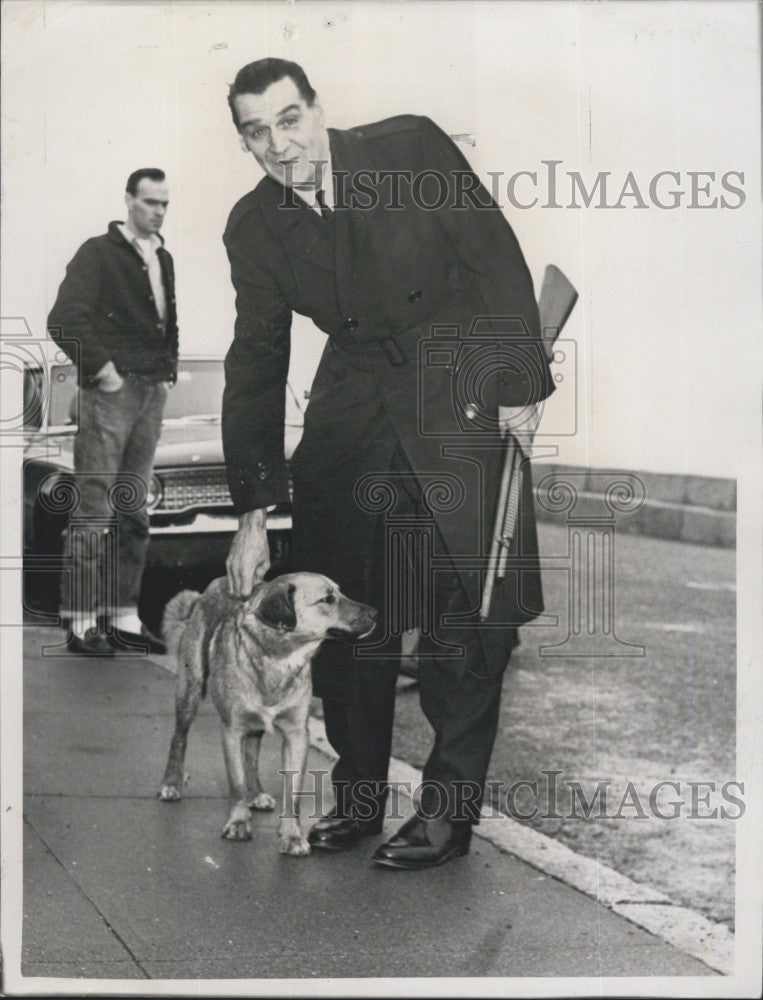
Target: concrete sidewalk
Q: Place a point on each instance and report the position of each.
(120, 886)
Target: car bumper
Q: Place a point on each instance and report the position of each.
(205, 541)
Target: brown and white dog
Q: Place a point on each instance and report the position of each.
(254, 655)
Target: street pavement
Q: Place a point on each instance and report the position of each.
(118, 885)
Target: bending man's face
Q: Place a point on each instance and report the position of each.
(283, 133)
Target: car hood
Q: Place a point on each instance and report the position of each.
(181, 444)
(189, 444)
(201, 444)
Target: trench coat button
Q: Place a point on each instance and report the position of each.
(350, 323)
(144, 268)
(150, 298)
(158, 326)
(263, 470)
(415, 295)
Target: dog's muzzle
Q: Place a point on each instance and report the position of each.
(359, 626)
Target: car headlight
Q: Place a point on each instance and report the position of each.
(155, 493)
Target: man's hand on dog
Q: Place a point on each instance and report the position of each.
(249, 557)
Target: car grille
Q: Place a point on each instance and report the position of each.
(187, 489)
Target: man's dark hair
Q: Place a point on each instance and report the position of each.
(256, 77)
(149, 173)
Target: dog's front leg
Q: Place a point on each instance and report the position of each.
(257, 798)
(238, 826)
(294, 761)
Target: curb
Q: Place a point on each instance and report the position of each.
(697, 510)
(704, 939)
(658, 519)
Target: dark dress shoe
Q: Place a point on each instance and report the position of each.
(142, 642)
(91, 644)
(339, 833)
(422, 844)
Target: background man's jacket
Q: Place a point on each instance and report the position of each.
(106, 305)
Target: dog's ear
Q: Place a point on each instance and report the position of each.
(276, 609)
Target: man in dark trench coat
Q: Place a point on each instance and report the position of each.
(385, 238)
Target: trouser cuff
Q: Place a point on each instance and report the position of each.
(458, 801)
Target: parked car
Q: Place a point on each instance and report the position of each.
(192, 520)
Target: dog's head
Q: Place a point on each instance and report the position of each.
(311, 606)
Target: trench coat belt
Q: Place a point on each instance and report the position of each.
(398, 348)
(394, 350)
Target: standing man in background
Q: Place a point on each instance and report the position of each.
(117, 305)
(387, 240)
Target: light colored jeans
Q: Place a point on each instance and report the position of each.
(107, 536)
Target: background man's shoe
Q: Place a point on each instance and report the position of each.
(338, 833)
(424, 844)
(144, 641)
(91, 644)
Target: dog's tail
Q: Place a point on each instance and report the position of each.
(176, 615)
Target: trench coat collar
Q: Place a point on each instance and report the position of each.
(303, 232)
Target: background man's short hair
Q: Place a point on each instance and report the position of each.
(256, 77)
(148, 173)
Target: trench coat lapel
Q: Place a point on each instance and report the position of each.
(352, 228)
(306, 236)
(303, 233)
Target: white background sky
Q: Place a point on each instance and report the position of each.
(669, 316)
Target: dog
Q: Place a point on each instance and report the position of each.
(254, 655)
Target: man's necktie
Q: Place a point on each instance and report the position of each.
(325, 210)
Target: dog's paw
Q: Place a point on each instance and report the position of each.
(238, 826)
(169, 793)
(295, 845)
(237, 829)
(263, 802)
